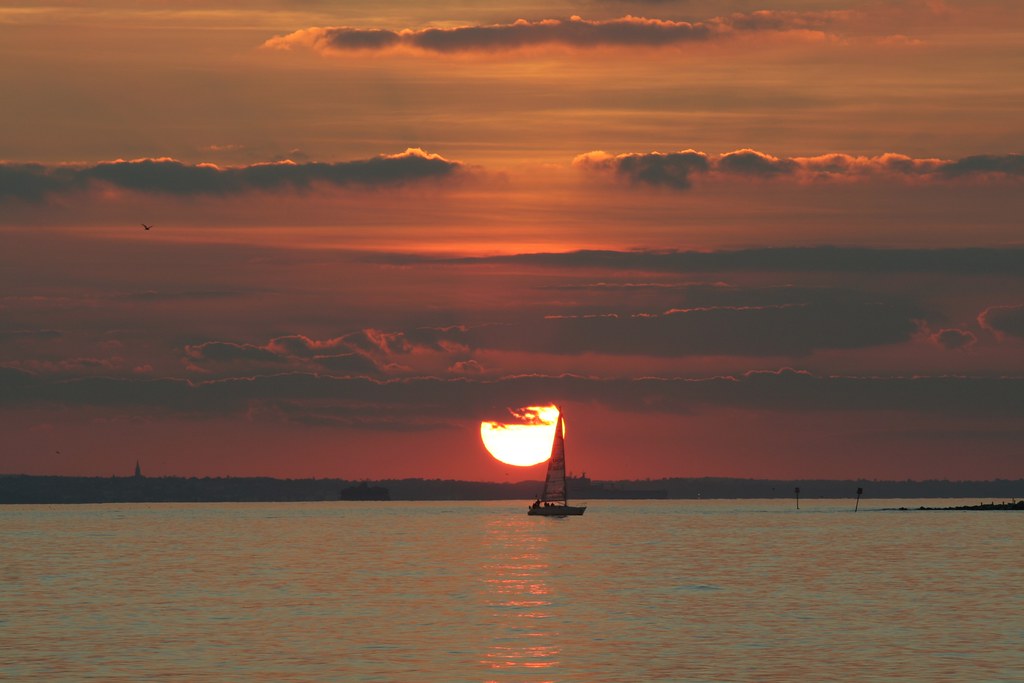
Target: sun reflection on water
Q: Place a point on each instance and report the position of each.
(520, 599)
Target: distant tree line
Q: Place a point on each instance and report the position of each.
(53, 490)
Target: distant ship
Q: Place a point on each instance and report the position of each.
(554, 501)
(583, 487)
(363, 491)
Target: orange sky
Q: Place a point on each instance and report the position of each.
(731, 238)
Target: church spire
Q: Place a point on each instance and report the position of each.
(138, 470)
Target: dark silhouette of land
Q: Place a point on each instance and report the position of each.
(1013, 505)
(20, 488)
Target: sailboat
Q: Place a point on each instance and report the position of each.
(554, 501)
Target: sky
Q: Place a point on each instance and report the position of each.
(773, 239)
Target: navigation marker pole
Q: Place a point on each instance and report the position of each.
(797, 491)
(859, 491)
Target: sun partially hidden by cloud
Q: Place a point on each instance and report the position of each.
(525, 442)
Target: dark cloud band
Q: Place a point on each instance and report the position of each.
(677, 170)
(824, 259)
(411, 399)
(34, 182)
(777, 330)
(575, 32)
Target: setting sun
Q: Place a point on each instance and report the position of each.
(525, 442)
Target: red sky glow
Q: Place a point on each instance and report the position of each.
(781, 241)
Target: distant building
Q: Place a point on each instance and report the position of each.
(138, 470)
(583, 487)
(363, 491)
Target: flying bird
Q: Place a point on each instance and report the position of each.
(146, 227)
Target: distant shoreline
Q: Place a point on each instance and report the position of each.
(1013, 505)
(41, 489)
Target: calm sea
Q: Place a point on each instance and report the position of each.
(632, 591)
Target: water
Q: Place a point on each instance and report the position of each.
(632, 591)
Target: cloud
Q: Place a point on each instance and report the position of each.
(227, 352)
(670, 170)
(297, 352)
(763, 330)
(30, 335)
(754, 163)
(368, 352)
(424, 398)
(720, 321)
(13, 381)
(780, 20)
(954, 340)
(302, 346)
(1008, 164)
(824, 259)
(347, 364)
(573, 33)
(466, 367)
(70, 367)
(1003, 321)
(676, 169)
(36, 182)
(184, 295)
(390, 343)
(347, 416)
(700, 320)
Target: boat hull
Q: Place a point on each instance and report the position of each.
(557, 510)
